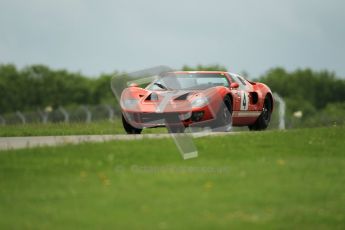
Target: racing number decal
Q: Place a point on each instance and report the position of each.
(244, 100)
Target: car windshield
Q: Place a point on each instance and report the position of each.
(188, 81)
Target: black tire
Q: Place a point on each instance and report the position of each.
(128, 128)
(223, 121)
(265, 117)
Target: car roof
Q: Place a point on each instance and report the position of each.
(202, 72)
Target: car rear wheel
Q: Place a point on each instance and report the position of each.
(129, 128)
(264, 119)
(223, 121)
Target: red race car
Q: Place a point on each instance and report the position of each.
(214, 99)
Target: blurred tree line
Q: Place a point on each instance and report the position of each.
(319, 95)
(306, 89)
(38, 86)
(316, 94)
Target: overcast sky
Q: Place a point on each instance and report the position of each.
(102, 36)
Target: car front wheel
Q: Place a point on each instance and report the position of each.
(223, 121)
(129, 128)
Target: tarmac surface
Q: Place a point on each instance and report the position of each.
(9, 143)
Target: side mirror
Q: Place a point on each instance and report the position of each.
(234, 85)
(133, 85)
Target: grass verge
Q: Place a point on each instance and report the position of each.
(61, 129)
(261, 180)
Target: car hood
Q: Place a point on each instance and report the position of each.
(143, 100)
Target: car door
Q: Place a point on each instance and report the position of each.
(242, 93)
(245, 112)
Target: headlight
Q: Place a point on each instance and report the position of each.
(200, 102)
(129, 103)
(185, 116)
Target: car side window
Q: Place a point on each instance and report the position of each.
(238, 79)
(241, 80)
(232, 78)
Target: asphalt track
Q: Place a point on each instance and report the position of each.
(9, 143)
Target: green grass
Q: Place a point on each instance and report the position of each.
(52, 129)
(265, 180)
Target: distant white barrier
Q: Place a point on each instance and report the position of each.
(110, 112)
(2, 120)
(281, 110)
(88, 113)
(21, 117)
(64, 113)
(43, 115)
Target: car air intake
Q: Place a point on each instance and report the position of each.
(152, 97)
(182, 97)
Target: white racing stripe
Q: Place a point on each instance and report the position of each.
(244, 100)
(246, 113)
